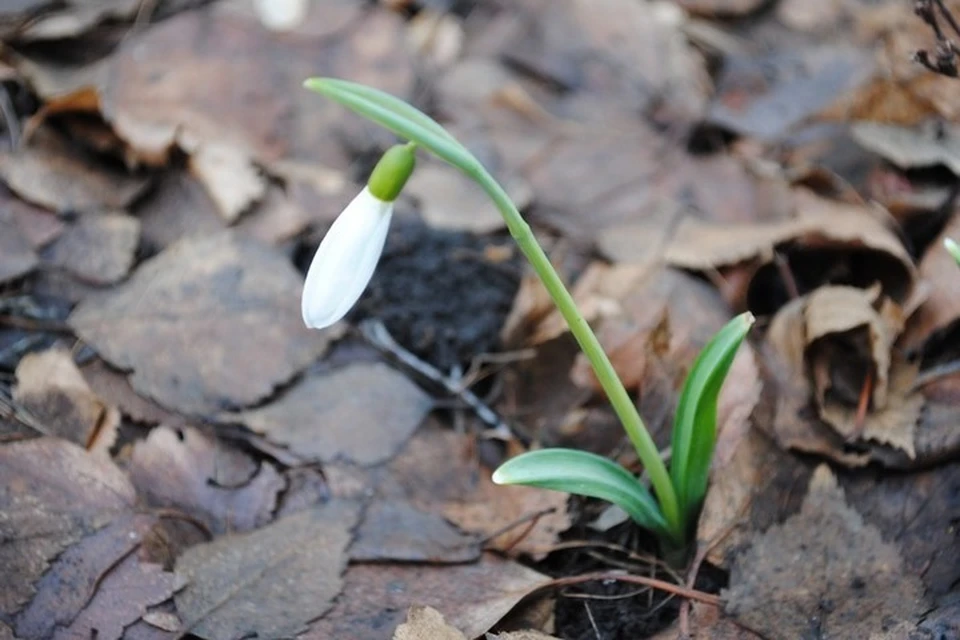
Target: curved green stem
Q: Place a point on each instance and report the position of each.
(622, 404)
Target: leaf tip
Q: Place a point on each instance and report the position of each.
(499, 477)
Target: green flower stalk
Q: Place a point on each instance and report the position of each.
(669, 515)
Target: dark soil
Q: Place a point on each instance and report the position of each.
(615, 610)
(441, 294)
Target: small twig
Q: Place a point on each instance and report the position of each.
(946, 52)
(377, 334)
(863, 404)
(593, 623)
(662, 585)
(532, 518)
(786, 275)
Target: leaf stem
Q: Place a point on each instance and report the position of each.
(607, 376)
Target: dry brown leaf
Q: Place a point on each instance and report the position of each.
(99, 249)
(909, 508)
(473, 597)
(52, 389)
(48, 173)
(211, 323)
(652, 318)
(426, 623)
(221, 487)
(766, 96)
(175, 85)
(449, 200)
(438, 472)
(824, 238)
(70, 19)
(361, 413)
(55, 494)
(848, 347)
(929, 144)
(844, 562)
(394, 530)
(491, 508)
(942, 306)
(437, 37)
(115, 389)
(231, 179)
(122, 598)
(77, 574)
(271, 581)
(520, 635)
(17, 257)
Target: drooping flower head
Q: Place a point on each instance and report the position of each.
(347, 256)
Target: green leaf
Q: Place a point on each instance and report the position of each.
(953, 248)
(695, 424)
(585, 474)
(397, 116)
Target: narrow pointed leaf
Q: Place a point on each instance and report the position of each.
(585, 474)
(953, 249)
(398, 116)
(695, 424)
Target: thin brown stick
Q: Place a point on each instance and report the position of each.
(662, 585)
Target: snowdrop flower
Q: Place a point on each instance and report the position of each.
(348, 255)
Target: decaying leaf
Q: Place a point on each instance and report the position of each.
(211, 323)
(426, 623)
(826, 242)
(925, 145)
(114, 388)
(765, 96)
(721, 8)
(908, 509)
(67, 523)
(52, 389)
(270, 582)
(360, 413)
(450, 200)
(942, 305)
(17, 257)
(492, 508)
(393, 530)
(45, 20)
(99, 249)
(122, 598)
(221, 487)
(473, 597)
(437, 471)
(75, 576)
(48, 173)
(824, 570)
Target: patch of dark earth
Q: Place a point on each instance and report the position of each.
(615, 610)
(443, 295)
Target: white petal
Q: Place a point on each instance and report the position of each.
(345, 260)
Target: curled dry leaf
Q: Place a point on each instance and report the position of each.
(270, 582)
(942, 306)
(836, 347)
(361, 413)
(52, 389)
(826, 242)
(844, 562)
(473, 597)
(99, 249)
(221, 487)
(928, 144)
(211, 323)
